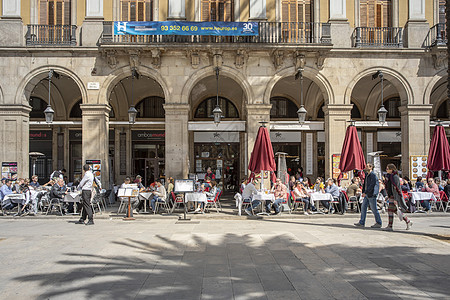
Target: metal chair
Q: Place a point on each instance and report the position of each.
(55, 202)
(210, 201)
(177, 200)
(297, 202)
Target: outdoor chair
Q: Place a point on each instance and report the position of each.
(212, 201)
(285, 204)
(177, 201)
(354, 200)
(444, 201)
(55, 203)
(296, 203)
(96, 200)
(334, 204)
(163, 204)
(246, 203)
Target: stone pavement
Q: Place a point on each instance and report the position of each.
(314, 258)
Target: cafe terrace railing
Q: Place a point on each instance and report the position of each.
(437, 36)
(269, 33)
(51, 35)
(378, 37)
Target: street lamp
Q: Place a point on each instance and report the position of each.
(382, 112)
(301, 112)
(132, 112)
(49, 112)
(217, 112)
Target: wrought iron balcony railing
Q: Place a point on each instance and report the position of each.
(378, 37)
(51, 35)
(437, 36)
(269, 33)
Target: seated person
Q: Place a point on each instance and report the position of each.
(419, 183)
(280, 192)
(318, 186)
(405, 188)
(211, 194)
(138, 181)
(353, 190)
(207, 183)
(58, 191)
(159, 195)
(300, 193)
(6, 189)
(447, 189)
(247, 196)
(430, 187)
(331, 189)
(34, 181)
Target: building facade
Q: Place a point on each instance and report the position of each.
(338, 44)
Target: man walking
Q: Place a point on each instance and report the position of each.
(369, 193)
(86, 191)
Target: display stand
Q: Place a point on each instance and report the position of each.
(129, 210)
(184, 186)
(128, 192)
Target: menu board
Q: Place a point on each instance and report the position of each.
(9, 169)
(336, 159)
(184, 185)
(418, 166)
(96, 166)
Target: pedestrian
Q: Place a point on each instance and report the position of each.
(86, 192)
(397, 204)
(369, 193)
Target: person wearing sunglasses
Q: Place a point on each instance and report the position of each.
(429, 187)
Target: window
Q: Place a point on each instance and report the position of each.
(54, 12)
(355, 114)
(136, 10)
(375, 13)
(75, 112)
(320, 112)
(218, 10)
(151, 107)
(297, 11)
(204, 109)
(283, 108)
(442, 11)
(392, 106)
(37, 107)
(442, 112)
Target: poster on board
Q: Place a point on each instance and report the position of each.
(96, 167)
(9, 169)
(336, 159)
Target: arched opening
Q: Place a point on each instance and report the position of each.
(205, 109)
(283, 108)
(76, 112)
(392, 105)
(37, 108)
(151, 107)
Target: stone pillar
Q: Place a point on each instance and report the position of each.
(95, 130)
(177, 10)
(177, 140)
(340, 27)
(14, 134)
(336, 117)
(415, 124)
(417, 27)
(92, 26)
(395, 13)
(255, 113)
(258, 10)
(11, 24)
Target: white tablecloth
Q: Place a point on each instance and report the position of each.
(263, 197)
(15, 198)
(418, 196)
(195, 197)
(321, 196)
(146, 195)
(72, 197)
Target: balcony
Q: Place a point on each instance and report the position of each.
(378, 37)
(51, 35)
(290, 33)
(437, 36)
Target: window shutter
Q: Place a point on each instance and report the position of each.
(59, 13)
(43, 13)
(51, 13)
(149, 10)
(308, 13)
(124, 12)
(67, 10)
(206, 10)
(133, 11)
(140, 11)
(229, 11)
(442, 11)
(285, 11)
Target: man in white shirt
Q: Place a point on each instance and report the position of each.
(247, 196)
(86, 192)
(159, 195)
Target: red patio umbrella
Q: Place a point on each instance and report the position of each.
(352, 157)
(439, 154)
(262, 158)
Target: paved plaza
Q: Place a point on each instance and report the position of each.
(273, 258)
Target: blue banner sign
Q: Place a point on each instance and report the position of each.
(186, 28)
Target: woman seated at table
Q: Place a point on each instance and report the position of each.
(319, 186)
(211, 194)
(333, 190)
(207, 184)
(306, 183)
(301, 194)
(419, 183)
(430, 187)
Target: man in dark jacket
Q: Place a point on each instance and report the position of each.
(369, 193)
(58, 191)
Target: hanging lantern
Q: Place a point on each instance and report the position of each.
(301, 112)
(132, 112)
(49, 113)
(217, 112)
(382, 113)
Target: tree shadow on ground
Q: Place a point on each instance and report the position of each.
(247, 266)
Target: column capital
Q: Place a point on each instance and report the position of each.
(258, 108)
(415, 109)
(176, 108)
(337, 109)
(14, 110)
(95, 109)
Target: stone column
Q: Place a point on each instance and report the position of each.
(95, 130)
(258, 10)
(336, 117)
(415, 124)
(255, 113)
(340, 27)
(14, 134)
(177, 140)
(11, 23)
(92, 27)
(417, 27)
(177, 10)
(395, 21)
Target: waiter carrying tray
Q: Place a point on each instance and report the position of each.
(86, 191)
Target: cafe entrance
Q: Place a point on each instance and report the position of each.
(148, 155)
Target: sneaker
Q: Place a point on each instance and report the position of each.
(376, 225)
(276, 213)
(197, 209)
(136, 211)
(409, 225)
(358, 224)
(306, 213)
(79, 222)
(89, 223)
(388, 228)
(248, 212)
(383, 210)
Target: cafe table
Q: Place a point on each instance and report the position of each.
(263, 197)
(317, 197)
(146, 197)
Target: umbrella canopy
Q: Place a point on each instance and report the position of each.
(439, 154)
(352, 157)
(262, 158)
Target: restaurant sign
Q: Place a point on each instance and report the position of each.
(40, 135)
(145, 135)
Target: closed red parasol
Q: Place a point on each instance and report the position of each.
(352, 157)
(439, 154)
(262, 158)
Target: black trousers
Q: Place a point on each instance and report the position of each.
(86, 203)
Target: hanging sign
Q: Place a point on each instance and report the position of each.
(187, 28)
(9, 169)
(96, 166)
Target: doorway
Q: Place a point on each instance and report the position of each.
(150, 169)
